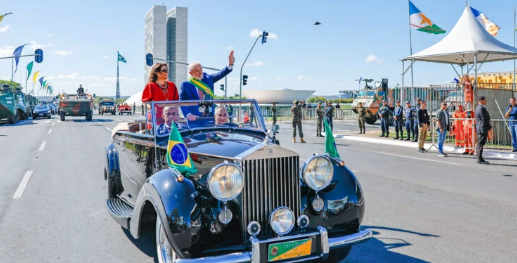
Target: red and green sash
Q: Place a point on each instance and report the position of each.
(202, 86)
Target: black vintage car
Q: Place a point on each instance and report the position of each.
(250, 200)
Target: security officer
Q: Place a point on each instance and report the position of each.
(397, 115)
(410, 119)
(361, 117)
(320, 112)
(415, 124)
(296, 114)
(384, 113)
(273, 110)
(329, 115)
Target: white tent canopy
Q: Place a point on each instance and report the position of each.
(136, 98)
(467, 39)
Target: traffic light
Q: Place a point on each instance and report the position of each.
(38, 55)
(222, 87)
(244, 80)
(149, 59)
(264, 36)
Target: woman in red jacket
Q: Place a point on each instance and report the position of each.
(159, 88)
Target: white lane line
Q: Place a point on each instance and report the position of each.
(354, 171)
(49, 131)
(99, 123)
(47, 121)
(119, 120)
(23, 184)
(42, 146)
(53, 123)
(107, 128)
(416, 158)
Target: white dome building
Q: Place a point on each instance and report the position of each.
(285, 96)
(136, 98)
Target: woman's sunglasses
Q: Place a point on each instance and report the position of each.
(163, 70)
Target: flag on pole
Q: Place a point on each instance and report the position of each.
(490, 26)
(41, 81)
(421, 22)
(1, 17)
(44, 84)
(330, 143)
(17, 53)
(29, 69)
(178, 156)
(121, 58)
(35, 76)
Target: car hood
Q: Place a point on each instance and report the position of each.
(222, 143)
(41, 111)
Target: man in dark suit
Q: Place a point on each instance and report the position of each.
(483, 126)
(200, 86)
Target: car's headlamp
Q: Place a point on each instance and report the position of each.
(318, 172)
(225, 181)
(282, 220)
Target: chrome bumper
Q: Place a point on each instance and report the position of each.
(327, 244)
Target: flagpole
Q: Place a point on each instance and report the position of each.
(514, 47)
(118, 87)
(410, 42)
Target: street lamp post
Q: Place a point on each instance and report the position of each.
(263, 41)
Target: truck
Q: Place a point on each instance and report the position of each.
(372, 99)
(107, 105)
(10, 105)
(76, 105)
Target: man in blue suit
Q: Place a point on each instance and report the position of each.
(200, 86)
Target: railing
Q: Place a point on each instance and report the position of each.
(284, 114)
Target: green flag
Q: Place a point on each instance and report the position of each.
(121, 58)
(29, 69)
(178, 156)
(330, 144)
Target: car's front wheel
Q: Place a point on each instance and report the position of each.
(163, 248)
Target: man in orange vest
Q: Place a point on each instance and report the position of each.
(469, 133)
(458, 126)
(468, 92)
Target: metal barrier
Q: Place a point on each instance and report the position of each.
(284, 114)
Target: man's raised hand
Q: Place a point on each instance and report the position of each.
(231, 58)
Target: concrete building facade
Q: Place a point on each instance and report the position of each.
(166, 37)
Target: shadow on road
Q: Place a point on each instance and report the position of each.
(102, 120)
(146, 242)
(377, 249)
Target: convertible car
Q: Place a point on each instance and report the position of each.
(249, 200)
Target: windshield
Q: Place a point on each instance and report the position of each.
(39, 107)
(243, 114)
(107, 104)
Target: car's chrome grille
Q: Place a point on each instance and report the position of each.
(268, 184)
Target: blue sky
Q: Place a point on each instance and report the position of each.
(365, 39)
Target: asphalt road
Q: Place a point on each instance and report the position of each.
(422, 208)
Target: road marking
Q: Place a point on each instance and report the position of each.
(107, 128)
(47, 121)
(53, 123)
(49, 131)
(354, 171)
(416, 158)
(119, 120)
(42, 146)
(99, 123)
(23, 184)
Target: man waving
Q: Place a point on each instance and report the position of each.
(200, 86)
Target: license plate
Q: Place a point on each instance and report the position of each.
(291, 249)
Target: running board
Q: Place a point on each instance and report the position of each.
(119, 211)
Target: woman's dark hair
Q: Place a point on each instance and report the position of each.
(152, 76)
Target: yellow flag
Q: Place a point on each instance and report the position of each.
(1, 17)
(35, 76)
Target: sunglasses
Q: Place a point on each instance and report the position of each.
(163, 70)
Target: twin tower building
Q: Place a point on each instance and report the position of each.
(166, 37)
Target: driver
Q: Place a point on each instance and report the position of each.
(221, 115)
(170, 114)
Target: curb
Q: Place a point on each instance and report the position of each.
(486, 153)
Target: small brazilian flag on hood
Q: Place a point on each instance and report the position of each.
(121, 58)
(177, 153)
(330, 144)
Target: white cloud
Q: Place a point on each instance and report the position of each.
(254, 78)
(5, 28)
(105, 57)
(50, 35)
(63, 52)
(229, 48)
(281, 79)
(33, 45)
(255, 33)
(302, 77)
(6, 51)
(256, 63)
(372, 58)
(74, 75)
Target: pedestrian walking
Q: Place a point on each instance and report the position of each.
(410, 120)
(458, 126)
(470, 134)
(416, 126)
(511, 114)
(397, 115)
(309, 110)
(423, 124)
(361, 117)
(320, 113)
(384, 115)
(134, 108)
(442, 121)
(339, 114)
(329, 115)
(296, 115)
(142, 107)
(325, 111)
(483, 127)
(273, 110)
(304, 110)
